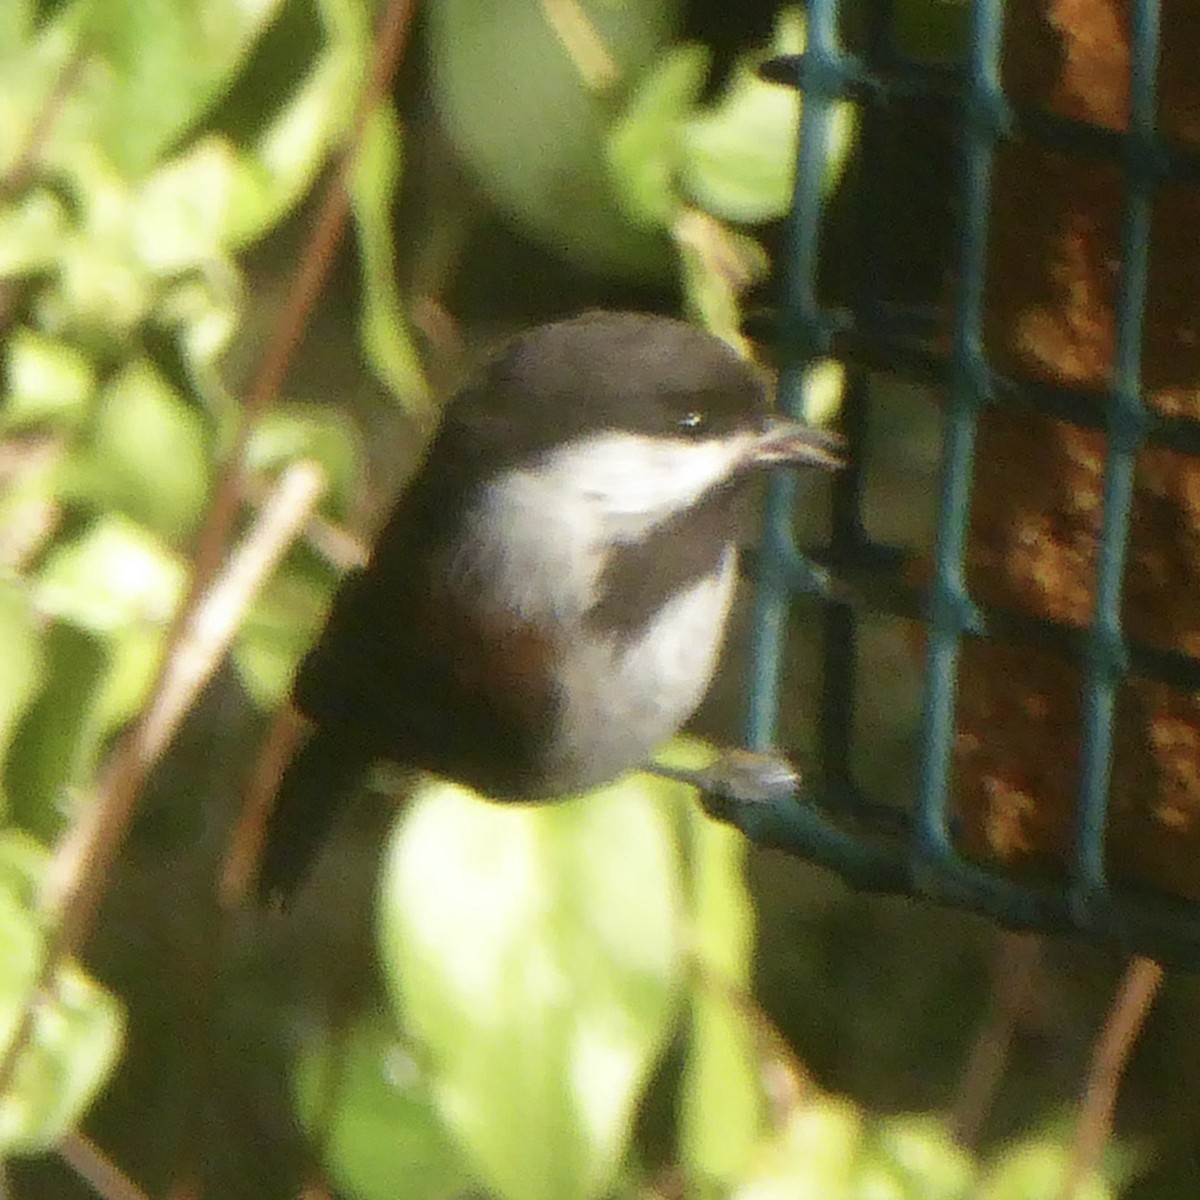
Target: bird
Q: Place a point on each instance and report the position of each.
(545, 604)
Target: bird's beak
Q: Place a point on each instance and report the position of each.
(784, 441)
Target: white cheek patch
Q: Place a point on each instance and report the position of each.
(544, 533)
(630, 482)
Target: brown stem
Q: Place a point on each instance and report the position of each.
(1015, 968)
(1128, 1013)
(97, 1170)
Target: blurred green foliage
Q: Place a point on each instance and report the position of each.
(77, 1026)
(539, 963)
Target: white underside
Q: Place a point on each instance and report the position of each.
(623, 698)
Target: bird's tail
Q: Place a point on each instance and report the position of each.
(316, 784)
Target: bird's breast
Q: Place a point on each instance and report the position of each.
(621, 695)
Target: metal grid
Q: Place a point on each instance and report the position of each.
(920, 857)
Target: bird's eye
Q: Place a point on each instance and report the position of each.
(693, 421)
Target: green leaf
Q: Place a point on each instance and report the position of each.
(58, 739)
(290, 432)
(47, 381)
(385, 334)
(277, 631)
(29, 79)
(16, 24)
(113, 576)
(721, 1113)
(1037, 1170)
(1036, 1166)
(528, 101)
(645, 146)
(739, 155)
(147, 455)
(362, 1098)
(170, 61)
(32, 229)
(814, 1156)
(822, 389)
(922, 1154)
(203, 313)
(933, 29)
(180, 215)
(101, 291)
(22, 864)
(77, 1028)
(22, 662)
(534, 956)
(291, 151)
(133, 662)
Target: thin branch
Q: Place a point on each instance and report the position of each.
(335, 544)
(581, 41)
(315, 1190)
(302, 293)
(1125, 1020)
(24, 168)
(73, 883)
(784, 1079)
(79, 869)
(245, 846)
(1015, 970)
(21, 173)
(97, 1170)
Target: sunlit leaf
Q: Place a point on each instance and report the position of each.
(181, 213)
(717, 264)
(204, 314)
(170, 59)
(29, 79)
(277, 631)
(58, 738)
(22, 864)
(133, 661)
(100, 292)
(284, 160)
(294, 431)
(16, 24)
(385, 331)
(47, 380)
(77, 1029)
(923, 1155)
(362, 1098)
(814, 1156)
(148, 454)
(32, 227)
(740, 154)
(21, 663)
(645, 147)
(114, 575)
(822, 387)
(721, 1109)
(528, 101)
(1036, 1169)
(536, 978)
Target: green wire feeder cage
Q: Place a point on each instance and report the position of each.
(1056, 611)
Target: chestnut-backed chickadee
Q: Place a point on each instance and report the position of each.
(546, 602)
